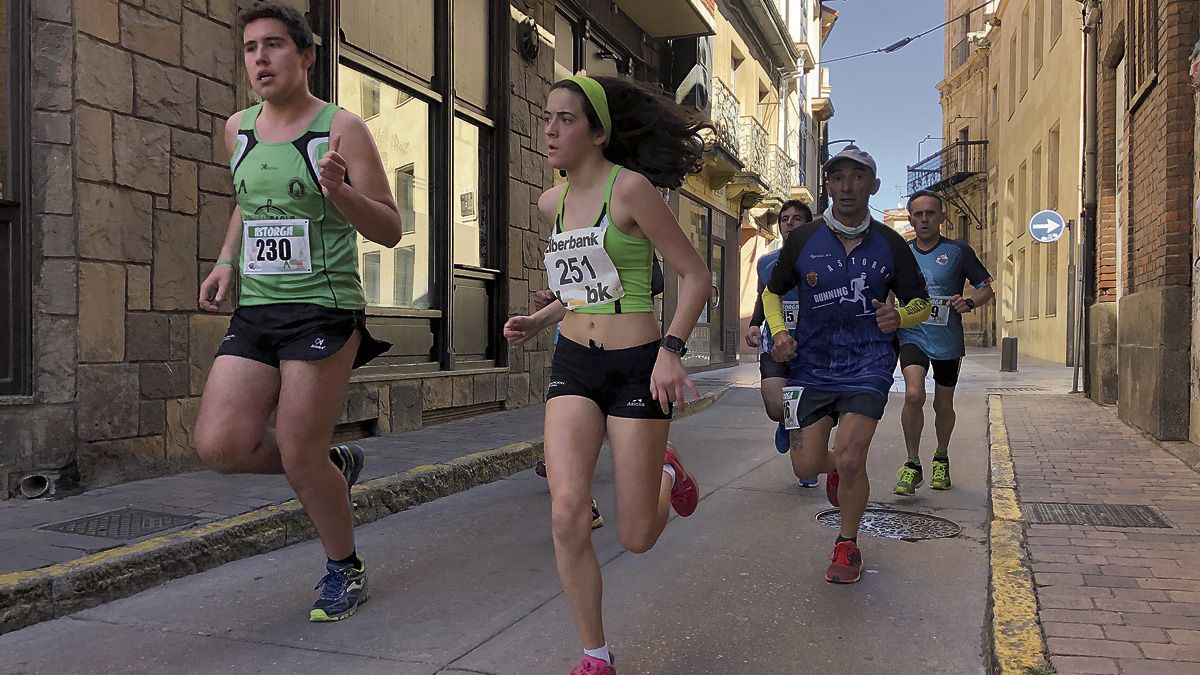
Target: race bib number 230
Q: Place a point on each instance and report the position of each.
(276, 247)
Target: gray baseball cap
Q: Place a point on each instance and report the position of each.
(854, 154)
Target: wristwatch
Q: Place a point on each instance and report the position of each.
(970, 303)
(674, 345)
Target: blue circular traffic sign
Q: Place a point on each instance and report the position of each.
(1047, 226)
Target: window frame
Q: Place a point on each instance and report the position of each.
(17, 330)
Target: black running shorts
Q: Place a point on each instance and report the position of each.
(618, 380)
(297, 332)
(945, 372)
(769, 367)
(816, 405)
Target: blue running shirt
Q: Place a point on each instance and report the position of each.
(791, 301)
(946, 267)
(839, 345)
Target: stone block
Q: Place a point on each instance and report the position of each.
(151, 35)
(52, 178)
(58, 234)
(52, 10)
(196, 5)
(147, 337)
(405, 405)
(205, 332)
(1153, 361)
(152, 418)
(484, 388)
(362, 404)
(142, 151)
(163, 380)
(436, 393)
(53, 50)
(518, 390)
(223, 11)
(164, 94)
(104, 75)
(215, 211)
(190, 145)
(167, 9)
(114, 223)
(39, 437)
(137, 287)
(94, 136)
(128, 459)
(210, 49)
(52, 127)
(175, 283)
(214, 178)
(216, 97)
(57, 286)
(179, 336)
(108, 401)
(502, 387)
(56, 340)
(185, 197)
(98, 18)
(181, 425)
(462, 391)
(101, 312)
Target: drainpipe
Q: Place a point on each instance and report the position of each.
(1091, 57)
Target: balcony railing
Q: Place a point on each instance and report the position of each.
(959, 54)
(725, 112)
(949, 166)
(781, 170)
(752, 138)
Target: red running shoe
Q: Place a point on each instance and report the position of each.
(593, 666)
(847, 564)
(831, 486)
(685, 494)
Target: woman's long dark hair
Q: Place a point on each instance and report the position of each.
(651, 134)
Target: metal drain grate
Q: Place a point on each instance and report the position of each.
(894, 524)
(121, 524)
(1016, 389)
(1100, 515)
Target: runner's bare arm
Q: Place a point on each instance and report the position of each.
(353, 178)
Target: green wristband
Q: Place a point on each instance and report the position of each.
(223, 261)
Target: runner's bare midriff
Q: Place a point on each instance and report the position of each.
(611, 331)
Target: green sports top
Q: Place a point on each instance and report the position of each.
(278, 182)
(633, 257)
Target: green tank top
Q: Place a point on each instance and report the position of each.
(633, 257)
(278, 181)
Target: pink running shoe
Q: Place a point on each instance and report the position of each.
(591, 665)
(685, 494)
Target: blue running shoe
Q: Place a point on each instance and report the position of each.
(343, 589)
(349, 459)
(810, 482)
(783, 440)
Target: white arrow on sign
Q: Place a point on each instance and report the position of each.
(1046, 226)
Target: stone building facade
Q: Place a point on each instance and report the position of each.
(124, 197)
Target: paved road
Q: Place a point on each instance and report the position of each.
(466, 584)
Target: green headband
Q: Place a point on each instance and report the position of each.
(596, 96)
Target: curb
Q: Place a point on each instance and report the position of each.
(32, 596)
(1016, 646)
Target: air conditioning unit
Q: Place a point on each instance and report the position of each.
(691, 72)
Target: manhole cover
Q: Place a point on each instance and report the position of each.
(121, 524)
(1101, 515)
(1016, 389)
(894, 524)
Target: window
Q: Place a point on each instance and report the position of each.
(370, 276)
(1012, 76)
(1024, 42)
(696, 220)
(405, 260)
(1035, 278)
(1051, 278)
(1010, 210)
(401, 33)
(1010, 282)
(1023, 212)
(470, 65)
(405, 192)
(1142, 38)
(470, 230)
(565, 64)
(370, 96)
(736, 59)
(15, 279)
(1052, 168)
(1021, 283)
(993, 214)
(1039, 32)
(1056, 7)
(994, 104)
(1035, 183)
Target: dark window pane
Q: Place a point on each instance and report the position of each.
(471, 53)
(397, 31)
(564, 47)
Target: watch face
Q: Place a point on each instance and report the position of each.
(673, 343)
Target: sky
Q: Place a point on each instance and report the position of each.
(886, 102)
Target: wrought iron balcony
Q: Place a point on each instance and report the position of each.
(752, 138)
(725, 112)
(951, 165)
(781, 170)
(959, 54)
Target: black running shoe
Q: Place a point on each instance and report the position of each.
(349, 459)
(343, 589)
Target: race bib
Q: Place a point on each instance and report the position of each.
(580, 271)
(791, 309)
(276, 247)
(791, 407)
(939, 313)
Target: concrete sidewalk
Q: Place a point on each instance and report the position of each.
(211, 519)
(1110, 599)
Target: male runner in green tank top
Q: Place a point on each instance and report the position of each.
(308, 179)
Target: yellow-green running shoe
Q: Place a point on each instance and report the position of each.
(940, 480)
(597, 519)
(908, 479)
(343, 589)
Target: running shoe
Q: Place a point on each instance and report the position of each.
(810, 482)
(831, 486)
(597, 519)
(343, 589)
(685, 494)
(908, 479)
(847, 564)
(591, 665)
(349, 459)
(783, 439)
(540, 468)
(940, 480)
